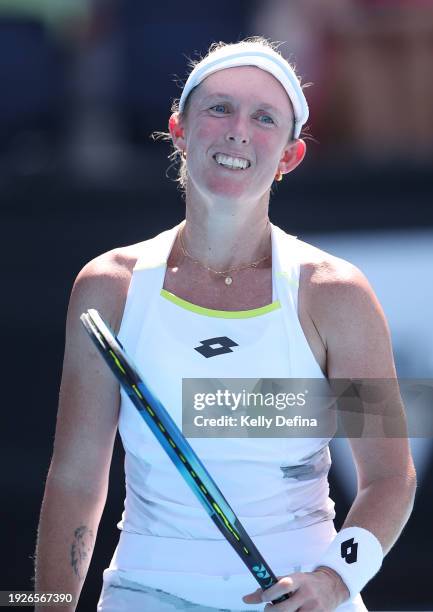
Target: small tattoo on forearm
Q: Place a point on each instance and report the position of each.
(81, 550)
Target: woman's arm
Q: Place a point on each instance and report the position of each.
(352, 324)
(359, 347)
(67, 530)
(77, 482)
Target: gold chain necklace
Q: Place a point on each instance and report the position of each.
(228, 279)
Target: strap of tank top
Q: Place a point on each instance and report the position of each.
(152, 258)
(154, 252)
(286, 273)
(286, 266)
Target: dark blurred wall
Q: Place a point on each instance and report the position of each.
(157, 44)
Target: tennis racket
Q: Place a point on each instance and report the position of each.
(178, 449)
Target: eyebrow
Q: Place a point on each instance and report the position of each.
(263, 105)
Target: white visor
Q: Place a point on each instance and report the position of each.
(251, 54)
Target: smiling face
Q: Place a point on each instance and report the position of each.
(237, 134)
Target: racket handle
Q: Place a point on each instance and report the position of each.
(282, 598)
(274, 581)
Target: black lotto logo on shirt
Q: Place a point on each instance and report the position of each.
(349, 550)
(215, 346)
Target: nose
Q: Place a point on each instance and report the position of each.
(238, 139)
(238, 132)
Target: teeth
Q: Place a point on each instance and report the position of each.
(232, 162)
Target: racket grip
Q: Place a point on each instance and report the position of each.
(282, 598)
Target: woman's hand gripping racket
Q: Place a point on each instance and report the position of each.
(178, 449)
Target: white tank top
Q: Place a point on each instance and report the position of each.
(274, 485)
(263, 479)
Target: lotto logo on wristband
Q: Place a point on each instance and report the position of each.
(349, 550)
(342, 554)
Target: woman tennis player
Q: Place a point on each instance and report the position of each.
(224, 294)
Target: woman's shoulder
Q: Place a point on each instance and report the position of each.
(103, 282)
(115, 265)
(105, 279)
(322, 268)
(331, 285)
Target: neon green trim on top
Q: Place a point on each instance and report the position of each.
(223, 314)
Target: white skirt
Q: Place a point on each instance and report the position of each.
(166, 574)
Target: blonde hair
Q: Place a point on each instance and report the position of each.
(176, 156)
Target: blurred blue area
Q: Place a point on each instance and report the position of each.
(102, 74)
(156, 46)
(33, 81)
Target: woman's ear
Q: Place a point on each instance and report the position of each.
(294, 153)
(177, 131)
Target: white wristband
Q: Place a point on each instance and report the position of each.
(356, 555)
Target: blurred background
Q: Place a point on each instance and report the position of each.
(84, 83)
